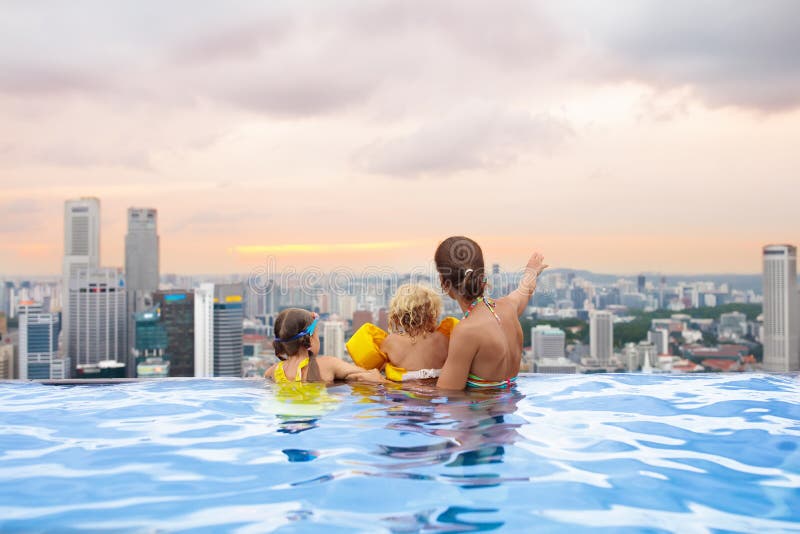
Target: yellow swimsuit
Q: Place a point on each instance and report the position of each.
(280, 375)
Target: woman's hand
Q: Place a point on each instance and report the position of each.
(536, 264)
(527, 285)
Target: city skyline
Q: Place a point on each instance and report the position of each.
(613, 139)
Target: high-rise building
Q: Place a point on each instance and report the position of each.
(218, 330)
(38, 341)
(640, 283)
(3, 325)
(141, 269)
(601, 336)
(204, 331)
(151, 345)
(781, 314)
(578, 296)
(548, 342)
(228, 330)
(333, 338)
(345, 306)
(177, 317)
(6, 289)
(6, 361)
(142, 250)
(97, 307)
(659, 337)
(81, 249)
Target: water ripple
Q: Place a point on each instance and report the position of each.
(612, 453)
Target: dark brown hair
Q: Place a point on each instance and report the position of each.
(459, 261)
(289, 323)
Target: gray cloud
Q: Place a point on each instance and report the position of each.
(479, 139)
(242, 41)
(41, 79)
(287, 58)
(742, 54)
(392, 60)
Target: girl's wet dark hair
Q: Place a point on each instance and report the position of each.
(459, 261)
(289, 323)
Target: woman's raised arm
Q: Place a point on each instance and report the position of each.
(520, 297)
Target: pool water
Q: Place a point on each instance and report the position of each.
(613, 453)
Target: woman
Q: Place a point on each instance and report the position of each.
(486, 346)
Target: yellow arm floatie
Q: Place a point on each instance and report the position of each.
(365, 347)
(447, 325)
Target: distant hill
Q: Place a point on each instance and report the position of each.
(742, 282)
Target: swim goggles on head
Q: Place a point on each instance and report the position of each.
(307, 331)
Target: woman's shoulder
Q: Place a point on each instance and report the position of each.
(466, 327)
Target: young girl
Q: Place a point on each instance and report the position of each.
(486, 346)
(416, 346)
(297, 344)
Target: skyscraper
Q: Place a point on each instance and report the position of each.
(141, 250)
(601, 336)
(141, 269)
(228, 330)
(204, 331)
(333, 338)
(98, 322)
(781, 314)
(177, 316)
(81, 249)
(218, 330)
(38, 341)
(640, 283)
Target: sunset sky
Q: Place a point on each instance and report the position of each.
(619, 136)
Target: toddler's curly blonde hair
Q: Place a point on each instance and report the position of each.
(414, 309)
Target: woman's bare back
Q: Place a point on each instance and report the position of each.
(499, 343)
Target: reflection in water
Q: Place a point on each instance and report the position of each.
(298, 407)
(449, 520)
(299, 455)
(474, 427)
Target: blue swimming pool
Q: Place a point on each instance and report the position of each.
(613, 453)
